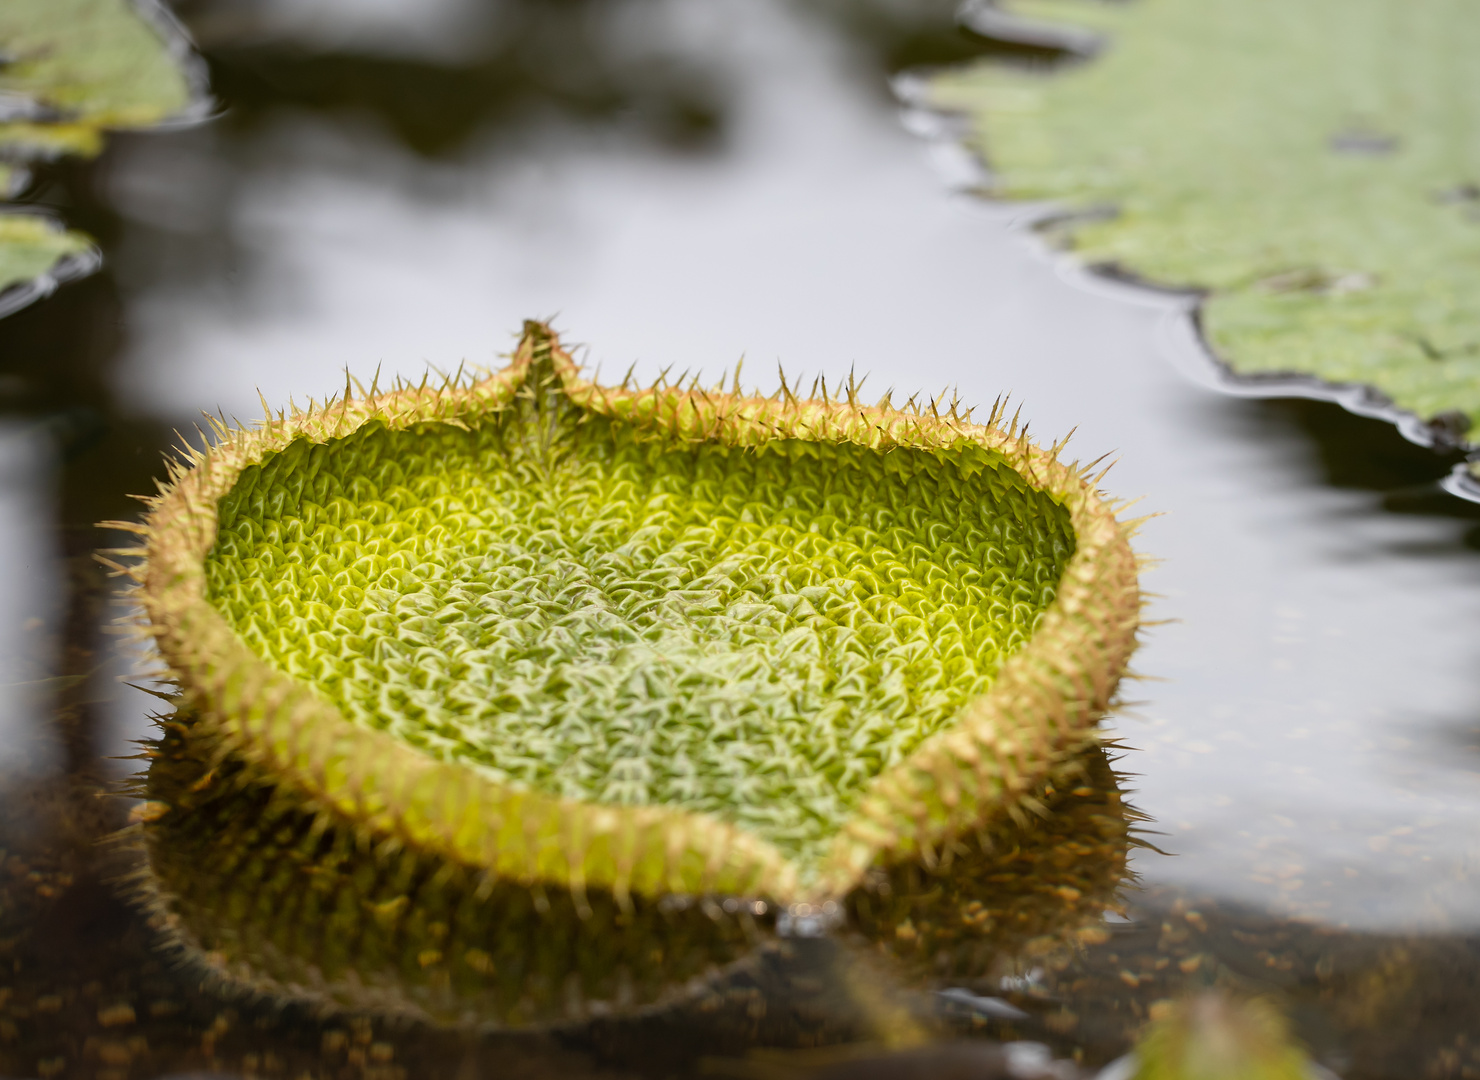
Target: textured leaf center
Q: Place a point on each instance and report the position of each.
(565, 601)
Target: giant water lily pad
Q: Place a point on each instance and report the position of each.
(1314, 166)
(637, 647)
(69, 71)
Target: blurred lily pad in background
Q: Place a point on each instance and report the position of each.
(69, 71)
(31, 246)
(1314, 167)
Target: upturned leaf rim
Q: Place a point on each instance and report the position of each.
(1041, 710)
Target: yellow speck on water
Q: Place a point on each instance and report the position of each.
(389, 911)
(113, 1052)
(335, 1041)
(115, 1015)
(479, 961)
(148, 811)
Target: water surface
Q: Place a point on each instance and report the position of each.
(1307, 740)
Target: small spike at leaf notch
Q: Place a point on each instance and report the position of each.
(923, 617)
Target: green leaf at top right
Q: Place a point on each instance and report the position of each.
(1313, 165)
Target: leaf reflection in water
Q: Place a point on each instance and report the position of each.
(263, 905)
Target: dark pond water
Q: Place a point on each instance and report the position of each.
(393, 185)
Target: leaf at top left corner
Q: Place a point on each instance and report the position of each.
(101, 63)
(70, 70)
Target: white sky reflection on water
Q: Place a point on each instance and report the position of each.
(1300, 751)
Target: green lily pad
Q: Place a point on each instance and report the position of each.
(642, 645)
(1314, 167)
(97, 63)
(73, 69)
(34, 253)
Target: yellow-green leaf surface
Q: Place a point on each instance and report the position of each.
(754, 633)
(1315, 166)
(71, 69)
